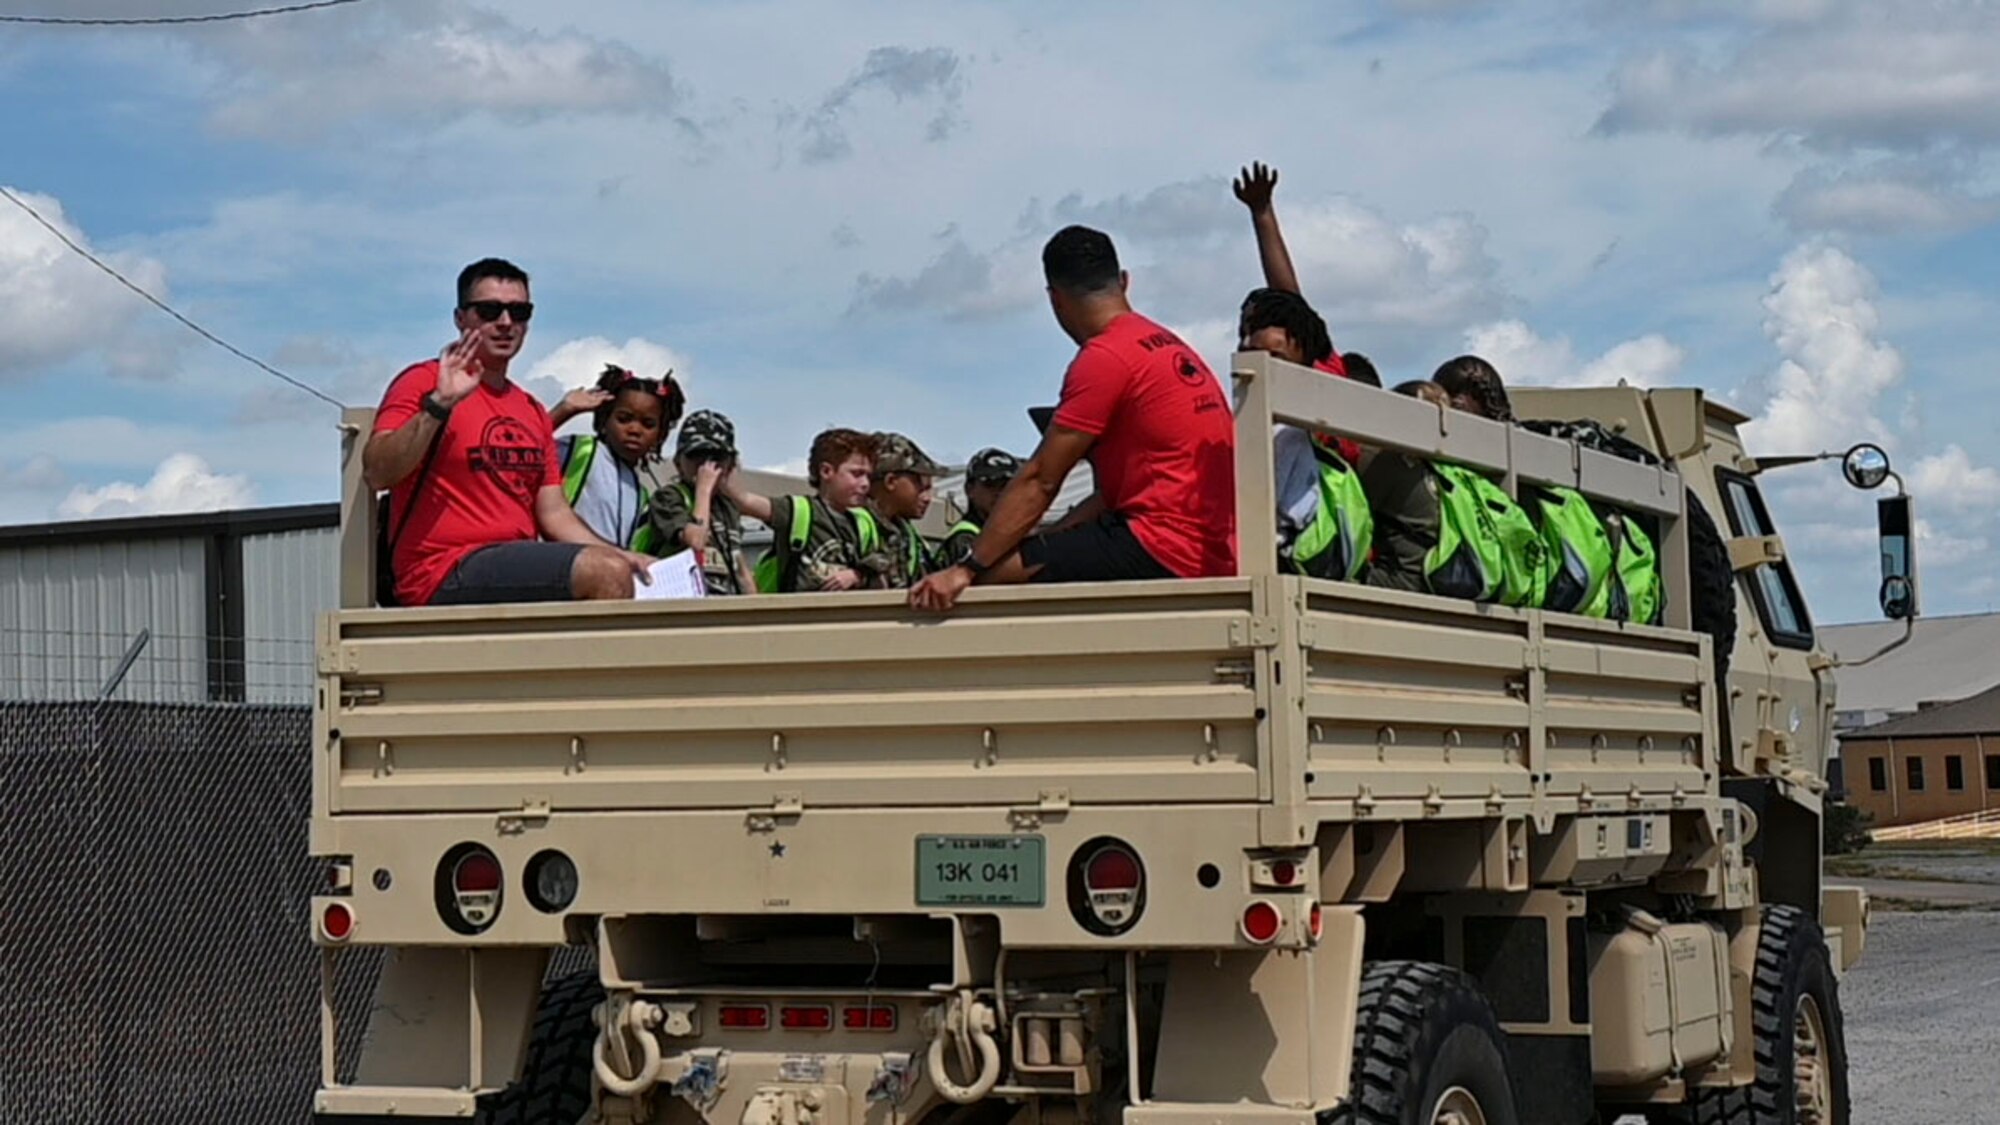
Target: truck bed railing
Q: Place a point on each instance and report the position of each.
(1270, 391)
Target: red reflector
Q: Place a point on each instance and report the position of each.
(1284, 872)
(1261, 922)
(1317, 921)
(1112, 868)
(476, 873)
(878, 1018)
(816, 1018)
(744, 1017)
(337, 922)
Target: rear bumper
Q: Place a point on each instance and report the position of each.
(829, 862)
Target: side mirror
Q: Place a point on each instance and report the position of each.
(1865, 466)
(1896, 527)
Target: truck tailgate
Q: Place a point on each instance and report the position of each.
(1127, 692)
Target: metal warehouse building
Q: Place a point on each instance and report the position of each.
(210, 607)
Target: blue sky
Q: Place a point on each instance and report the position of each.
(825, 213)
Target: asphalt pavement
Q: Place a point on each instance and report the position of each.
(1923, 1020)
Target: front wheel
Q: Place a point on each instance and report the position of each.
(1800, 1043)
(1427, 1051)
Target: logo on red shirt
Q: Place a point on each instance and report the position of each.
(1189, 371)
(508, 453)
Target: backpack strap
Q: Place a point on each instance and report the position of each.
(871, 534)
(576, 464)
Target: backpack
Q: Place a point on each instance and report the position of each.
(576, 473)
(1342, 534)
(1581, 558)
(1487, 549)
(1636, 591)
(1638, 594)
(778, 568)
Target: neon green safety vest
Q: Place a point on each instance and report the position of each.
(1487, 549)
(1581, 561)
(1337, 543)
(775, 569)
(576, 472)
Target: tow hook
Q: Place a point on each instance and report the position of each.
(610, 1056)
(968, 1025)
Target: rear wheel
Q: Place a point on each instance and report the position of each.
(1427, 1051)
(1800, 1044)
(554, 1087)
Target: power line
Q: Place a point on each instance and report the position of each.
(168, 309)
(158, 21)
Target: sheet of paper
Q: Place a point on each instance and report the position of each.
(676, 576)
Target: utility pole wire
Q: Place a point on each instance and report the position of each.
(166, 308)
(160, 21)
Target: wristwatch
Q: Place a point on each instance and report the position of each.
(436, 409)
(972, 563)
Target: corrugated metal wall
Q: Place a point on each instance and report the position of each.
(67, 613)
(289, 579)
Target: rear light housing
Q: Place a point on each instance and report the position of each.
(877, 1017)
(1107, 886)
(1316, 922)
(336, 921)
(471, 888)
(1262, 922)
(550, 881)
(805, 1017)
(744, 1017)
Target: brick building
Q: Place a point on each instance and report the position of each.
(1941, 761)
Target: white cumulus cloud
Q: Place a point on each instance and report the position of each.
(578, 363)
(55, 306)
(182, 483)
(1526, 358)
(1827, 391)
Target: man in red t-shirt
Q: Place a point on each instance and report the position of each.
(469, 460)
(1161, 440)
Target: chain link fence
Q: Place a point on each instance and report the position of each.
(155, 963)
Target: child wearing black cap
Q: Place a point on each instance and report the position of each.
(692, 514)
(986, 477)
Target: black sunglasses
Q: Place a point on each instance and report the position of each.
(489, 311)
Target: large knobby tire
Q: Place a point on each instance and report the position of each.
(1800, 1042)
(1425, 1045)
(1711, 583)
(554, 1087)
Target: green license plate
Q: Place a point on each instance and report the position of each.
(981, 870)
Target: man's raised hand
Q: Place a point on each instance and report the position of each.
(459, 369)
(1253, 187)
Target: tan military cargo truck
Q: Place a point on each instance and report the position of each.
(1256, 850)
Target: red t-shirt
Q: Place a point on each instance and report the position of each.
(1334, 365)
(496, 453)
(1165, 455)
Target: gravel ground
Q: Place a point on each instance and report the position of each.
(1923, 1020)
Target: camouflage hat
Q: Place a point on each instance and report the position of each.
(992, 466)
(705, 431)
(900, 455)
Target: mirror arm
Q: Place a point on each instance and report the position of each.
(1909, 631)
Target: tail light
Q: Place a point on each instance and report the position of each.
(878, 1017)
(551, 882)
(744, 1017)
(805, 1017)
(1107, 886)
(1316, 922)
(337, 921)
(470, 888)
(1261, 922)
